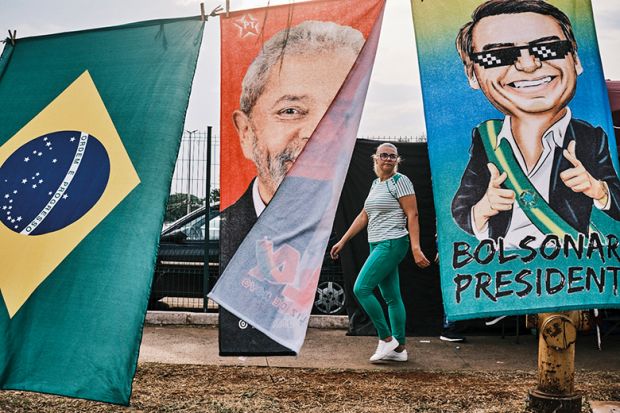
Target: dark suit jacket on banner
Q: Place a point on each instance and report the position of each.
(236, 221)
(236, 337)
(575, 208)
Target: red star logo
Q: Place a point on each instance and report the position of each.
(248, 25)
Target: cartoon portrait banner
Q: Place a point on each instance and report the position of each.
(286, 70)
(88, 144)
(524, 163)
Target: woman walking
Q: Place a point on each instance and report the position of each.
(391, 214)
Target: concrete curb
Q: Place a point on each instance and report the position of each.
(181, 318)
(338, 322)
(212, 319)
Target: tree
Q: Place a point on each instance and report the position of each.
(177, 206)
(214, 196)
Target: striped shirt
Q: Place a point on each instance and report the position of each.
(386, 219)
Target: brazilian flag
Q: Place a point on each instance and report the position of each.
(90, 125)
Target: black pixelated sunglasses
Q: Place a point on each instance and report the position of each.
(508, 55)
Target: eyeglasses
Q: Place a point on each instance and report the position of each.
(508, 55)
(385, 156)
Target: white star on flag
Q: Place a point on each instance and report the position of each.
(248, 26)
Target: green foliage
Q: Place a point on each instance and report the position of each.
(177, 206)
(215, 195)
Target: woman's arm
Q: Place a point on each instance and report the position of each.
(409, 204)
(358, 224)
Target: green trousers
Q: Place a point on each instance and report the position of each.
(381, 270)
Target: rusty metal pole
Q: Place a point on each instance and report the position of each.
(557, 334)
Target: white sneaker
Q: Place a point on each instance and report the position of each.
(396, 356)
(495, 320)
(383, 349)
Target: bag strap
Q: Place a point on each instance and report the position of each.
(393, 180)
(538, 211)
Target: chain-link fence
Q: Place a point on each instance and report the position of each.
(188, 190)
(180, 281)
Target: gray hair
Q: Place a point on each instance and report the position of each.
(308, 37)
(390, 145)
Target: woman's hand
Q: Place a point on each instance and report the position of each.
(410, 206)
(358, 224)
(420, 259)
(334, 253)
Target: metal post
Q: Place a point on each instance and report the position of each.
(556, 364)
(189, 170)
(206, 287)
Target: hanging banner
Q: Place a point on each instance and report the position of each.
(282, 68)
(613, 89)
(88, 144)
(523, 161)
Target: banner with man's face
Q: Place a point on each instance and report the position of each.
(286, 71)
(267, 115)
(519, 134)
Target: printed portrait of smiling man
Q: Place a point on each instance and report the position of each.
(539, 170)
(285, 93)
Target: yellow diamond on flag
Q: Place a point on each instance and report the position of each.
(60, 176)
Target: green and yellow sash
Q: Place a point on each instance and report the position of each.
(531, 202)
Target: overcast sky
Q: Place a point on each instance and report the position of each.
(394, 104)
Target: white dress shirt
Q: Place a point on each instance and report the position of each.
(259, 205)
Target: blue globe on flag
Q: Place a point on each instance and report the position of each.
(52, 181)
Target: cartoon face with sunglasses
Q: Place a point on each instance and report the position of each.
(523, 63)
(522, 55)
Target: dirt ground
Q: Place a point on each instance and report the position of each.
(192, 388)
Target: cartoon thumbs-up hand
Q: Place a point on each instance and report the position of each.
(495, 200)
(580, 180)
